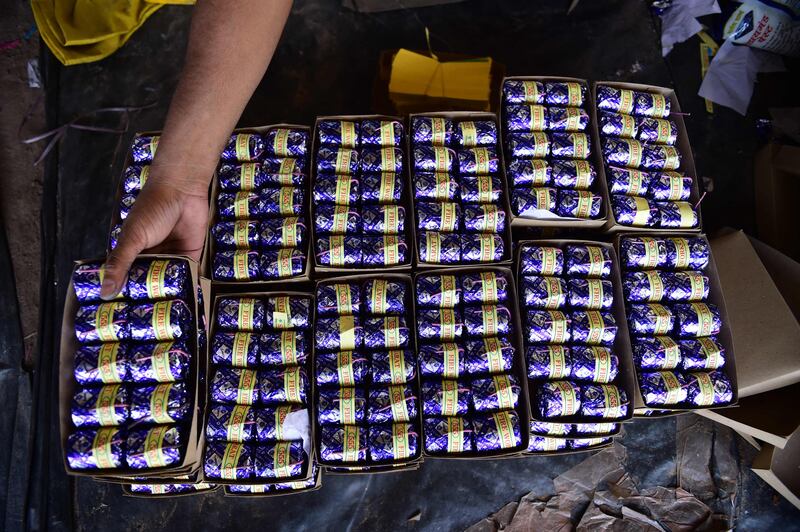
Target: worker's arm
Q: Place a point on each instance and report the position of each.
(230, 46)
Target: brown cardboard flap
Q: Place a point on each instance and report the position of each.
(317, 485)
(765, 332)
(598, 187)
(784, 271)
(128, 492)
(687, 166)
(779, 468)
(777, 183)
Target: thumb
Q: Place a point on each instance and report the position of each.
(115, 271)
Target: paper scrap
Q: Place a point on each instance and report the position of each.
(679, 22)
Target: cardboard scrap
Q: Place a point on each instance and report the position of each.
(425, 75)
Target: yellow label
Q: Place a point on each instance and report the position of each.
(347, 332)
(242, 146)
(161, 320)
(503, 391)
(289, 348)
(558, 361)
(583, 174)
(659, 105)
(241, 233)
(687, 214)
(635, 152)
(696, 285)
(391, 331)
(347, 399)
(531, 89)
(388, 159)
(344, 303)
(230, 460)
(448, 217)
(101, 448)
(287, 168)
(673, 387)
(573, 122)
(105, 405)
(651, 255)
(541, 144)
(281, 314)
(448, 292)
(343, 161)
(397, 366)
(705, 319)
(155, 279)
(241, 340)
(386, 190)
(642, 215)
(711, 351)
(672, 160)
(289, 236)
(398, 402)
(447, 324)
(484, 185)
(537, 119)
(663, 318)
(433, 247)
(543, 199)
(549, 260)
(487, 247)
(441, 158)
(285, 262)
(281, 459)
(569, 399)
(377, 296)
(280, 144)
(246, 313)
(438, 132)
(160, 362)
(442, 186)
(482, 160)
(280, 416)
(635, 182)
(154, 447)
(286, 200)
(391, 218)
(583, 209)
(455, 435)
(245, 391)
(237, 423)
(602, 364)
(104, 320)
(505, 429)
(241, 204)
(490, 320)
(656, 285)
(494, 355)
(596, 261)
(449, 399)
(143, 175)
(351, 444)
(469, 134)
(342, 193)
(628, 126)
(596, 327)
(400, 447)
(391, 250)
(625, 101)
(538, 172)
(337, 253)
(450, 358)
(247, 176)
(558, 326)
(595, 291)
(292, 384)
(348, 134)
(682, 253)
(580, 145)
(672, 353)
(706, 396)
(241, 269)
(574, 95)
(107, 363)
(159, 404)
(387, 133)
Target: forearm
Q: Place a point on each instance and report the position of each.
(230, 47)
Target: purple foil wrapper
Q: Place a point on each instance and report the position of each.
(478, 161)
(134, 178)
(234, 385)
(594, 364)
(549, 361)
(87, 279)
(340, 189)
(387, 250)
(239, 265)
(113, 236)
(657, 131)
(587, 261)
(578, 204)
(543, 444)
(170, 489)
(701, 353)
(470, 133)
(481, 189)
(339, 298)
(686, 253)
(593, 294)
(337, 160)
(523, 91)
(482, 247)
(158, 279)
(343, 443)
(240, 314)
(396, 366)
(103, 448)
(337, 219)
(386, 187)
(496, 431)
(439, 324)
(439, 248)
(708, 389)
(397, 441)
(550, 429)
(685, 286)
(632, 153)
(339, 333)
(670, 186)
(243, 147)
(534, 172)
(339, 250)
(557, 399)
(570, 145)
(284, 201)
(593, 327)
(643, 252)
(438, 290)
(448, 435)
(270, 420)
(230, 461)
(541, 260)
(663, 388)
(650, 319)
(544, 292)
(239, 234)
(526, 118)
(382, 133)
(655, 353)
(287, 232)
(432, 131)
(696, 319)
(488, 355)
(615, 100)
(677, 214)
(269, 457)
(239, 349)
(384, 296)
(143, 148)
(628, 181)
(485, 218)
(341, 406)
(286, 142)
(650, 104)
(245, 176)
(387, 332)
(240, 205)
(162, 362)
(438, 216)
(568, 93)
(394, 403)
(586, 443)
(287, 312)
(284, 170)
(286, 385)
(442, 360)
(535, 145)
(567, 119)
(235, 423)
(339, 133)
(577, 174)
(487, 320)
(617, 125)
(630, 210)
(342, 368)
(106, 322)
(548, 327)
(484, 287)
(100, 406)
(105, 363)
(499, 392)
(160, 403)
(376, 160)
(445, 398)
(126, 204)
(582, 429)
(526, 202)
(158, 446)
(439, 186)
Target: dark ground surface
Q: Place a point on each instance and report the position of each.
(326, 64)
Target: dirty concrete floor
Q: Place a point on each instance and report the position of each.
(309, 77)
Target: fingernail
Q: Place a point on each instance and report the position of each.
(108, 290)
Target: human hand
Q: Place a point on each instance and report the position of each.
(164, 219)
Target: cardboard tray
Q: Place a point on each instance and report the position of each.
(626, 380)
(523, 406)
(779, 468)
(128, 492)
(596, 447)
(317, 485)
(617, 430)
(370, 470)
(209, 249)
(67, 385)
(599, 186)
(505, 203)
(687, 166)
(724, 337)
(190, 478)
(410, 315)
(212, 330)
(407, 204)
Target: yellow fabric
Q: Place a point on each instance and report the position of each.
(82, 31)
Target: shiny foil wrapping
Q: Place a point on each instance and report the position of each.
(239, 265)
(282, 263)
(445, 398)
(240, 314)
(549, 361)
(439, 324)
(485, 218)
(534, 172)
(235, 423)
(569, 145)
(478, 161)
(696, 319)
(376, 160)
(433, 216)
(230, 461)
(432, 131)
(338, 333)
(284, 201)
(396, 366)
(393, 403)
(239, 234)
(337, 219)
(236, 349)
(143, 148)
(487, 320)
(105, 363)
(594, 364)
(282, 170)
(381, 133)
(686, 253)
(578, 204)
(339, 298)
(243, 147)
(484, 287)
(677, 214)
(481, 189)
(709, 389)
(657, 131)
(340, 189)
(482, 247)
(161, 320)
(439, 248)
(541, 260)
(548, 327)
(587, 261)
(343, 133)
(344, 443)
(564, 93)
(557, 399)
(341, 406)
(126, 204)
(286, 142)
(87, 279)
(643, 252)
(448, 435)
(156, 446)
(525, 118)
(270, 420)
(577, 174)
(279, 460)
(631, 210)
(498, 392)
(158, 362)
(526, 202)
(387, 250)
(287, 312)
(495, 431)
(543, 444)
(438, 186)
(338, 160)
(592, 294)
(488, 355)
(632, 102)
(102, 448)
(160, 403)
(523, 91)
(567, 119)
(106, 322)
(101, 406)
(651, 104)
(134, 177)
(234, 385)
(663, 388)
(158, 279)
(655, 353)
(245, 176)
(651, 319)
(289, 231)
(386, 187)
(240, 205)
(582, 429)
(535, 145)
(634, 154)
(285, 385)
(438, 290)
(442, 360)
(472, 133)
(342, 368)
(593, 327)
(617, 125)
(586, 443)
(338, 250)
(628, 181)
(545, 428)
(397, 441)
(670, 186)
(701, 354)
(384, 296)
(386, 332)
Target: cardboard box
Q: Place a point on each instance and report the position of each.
(406, 204)
(308, 469)
(317, 485)
(504, 203)
(780, 468)
(205, 488)
(687, 166)
(523, 404)
(777, 183)
(764, 329)
(209, 250)
(67, 385)
(725, 336)
(626, 379)
(380, 467)
(598, 187)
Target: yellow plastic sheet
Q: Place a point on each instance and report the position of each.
(423, 75)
